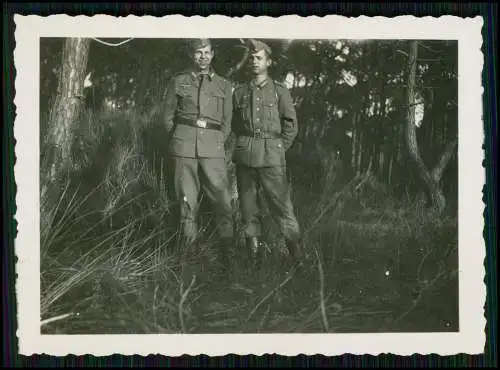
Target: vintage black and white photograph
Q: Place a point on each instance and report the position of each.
(235, 183)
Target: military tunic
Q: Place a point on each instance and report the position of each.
(265, 124)
(194, 148)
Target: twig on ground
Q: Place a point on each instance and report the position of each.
(419, 297)
(364, 313)
(154, 305)
(264, 318)
(282, 284)
(56, 318)
(359, 180)
(161, 328)
(305, 322)
(181, 303)
(421, 265)
(227, 310)
(322, 294)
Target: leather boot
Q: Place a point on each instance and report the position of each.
(223, 269)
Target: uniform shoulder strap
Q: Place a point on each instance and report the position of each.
(181, 73)
(279, 83)
(178, 75)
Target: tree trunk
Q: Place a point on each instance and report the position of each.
(444, 159)
(360, 154)
(67, 105)
(400, 140)
(391, 161)
(430, 178)
(381, 163)
(354, 142)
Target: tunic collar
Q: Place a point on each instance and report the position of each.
(196, 74)
(260, 85)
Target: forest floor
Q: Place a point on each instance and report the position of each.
(384, 268)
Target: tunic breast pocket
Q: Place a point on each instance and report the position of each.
(218, 99)
(271, 111)
(187, 98)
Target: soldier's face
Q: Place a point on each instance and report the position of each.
(203, 57)
(259, 62)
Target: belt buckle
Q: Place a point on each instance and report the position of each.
(201, 123)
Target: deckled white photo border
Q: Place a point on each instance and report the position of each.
(471, 337)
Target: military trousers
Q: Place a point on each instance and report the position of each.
(270, 184)
(191, 175)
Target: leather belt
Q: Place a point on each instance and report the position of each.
(259, 135)
(198, 123)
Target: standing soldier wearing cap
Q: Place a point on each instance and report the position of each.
(265, 125)
(198, 118)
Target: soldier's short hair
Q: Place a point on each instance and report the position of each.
(196, 44)
(256, 46)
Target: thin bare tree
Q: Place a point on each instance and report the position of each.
(431, 178)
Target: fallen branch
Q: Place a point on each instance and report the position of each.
(262, 322)
(422, 262)
(154, 304)
(311, 316)
(322, 294)
(56, 318)
(225, 311)
(419, 297)
(181, 303)
(282, 284)
(364, 313)
(355, 183)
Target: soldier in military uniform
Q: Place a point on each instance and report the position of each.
(198, 118)
(265, 124)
